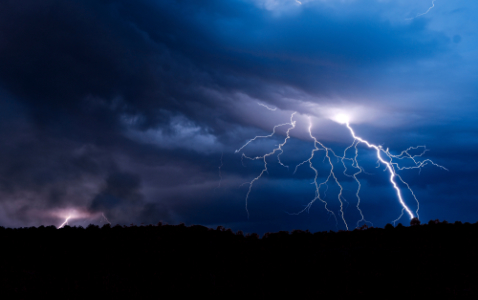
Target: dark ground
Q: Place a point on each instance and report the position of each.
(435, 259)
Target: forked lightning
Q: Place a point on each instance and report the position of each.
(383, 156)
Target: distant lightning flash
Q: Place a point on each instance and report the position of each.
(428, 10)
(79, 214)
(64, 223)
(383, 157)
(107, 221)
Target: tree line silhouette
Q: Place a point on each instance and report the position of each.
(434, 259)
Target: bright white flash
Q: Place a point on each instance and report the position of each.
(383, 155)
(342, 119)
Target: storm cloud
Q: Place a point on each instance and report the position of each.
(125, 108)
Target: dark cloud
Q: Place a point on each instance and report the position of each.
(120, 198)
(142, 57)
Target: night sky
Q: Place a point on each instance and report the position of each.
(132, 111)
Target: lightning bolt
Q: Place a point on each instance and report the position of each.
(267, 107)
(262, 136)
(331, 174)
(384, 157)
(75, 214)
(278, 148)
(417, 165)
(356, 165)
(64, 223)
(107, 221)
(390, 165)
(428, 10)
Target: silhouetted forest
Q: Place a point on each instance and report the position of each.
(434, 259)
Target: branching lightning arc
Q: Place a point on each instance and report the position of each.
(383, 157)
(279, 148)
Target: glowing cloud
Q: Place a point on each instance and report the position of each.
(341, 118)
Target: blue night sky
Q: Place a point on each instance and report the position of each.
(133, 110)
